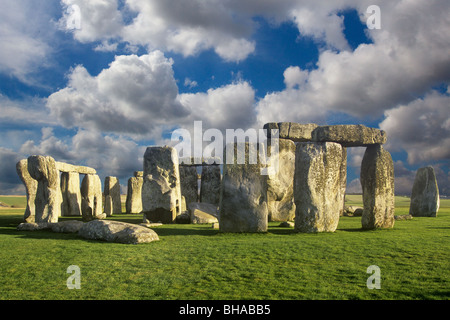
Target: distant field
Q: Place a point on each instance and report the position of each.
(196, 262)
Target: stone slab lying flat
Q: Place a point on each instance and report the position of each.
(349, 135)
(116, 231)
(66, 167)
(296, 132)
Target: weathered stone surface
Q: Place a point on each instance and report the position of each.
(108, 206)
(210, 184)
(349, 135)
(138, 174)
(280, 186)
(112, 188)
(189, 183)
(161, 191)
(343, 180)
(425, 194)
(33, 226)
(243, 205)
(30, 189)
(317, 184)
(70, 226)
(48, 193)
(91, 198)
(71, 194)
(353, 211)
(377, 181)
(133, 202)
(296, 132)
(403, 217)
(66, 167)
(115, 231)
(203, 212)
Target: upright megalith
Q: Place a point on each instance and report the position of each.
(317, 185)
(133, 202)
(48, 192)
(112, 188)
(189, 183)
(210, 184)
(243, 205)
(425, 194)
(71, 194)
(280, 184)
(91, 198)
(377, 181)
(30, 189)
(161, 191)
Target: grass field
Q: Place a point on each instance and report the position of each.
(197, 262)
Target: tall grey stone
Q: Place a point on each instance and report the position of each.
(91, 198)
(30, 189)
(377, 182)
(48, 193)
(133, 202)
(317, 185)
(161, 191)
(343, 179)
(71, 194)
(189, 183)
(349, 135)
(280, 185)
(243, 205)
(210, 184)
(108, 206)
(425, 194)
(112, 188)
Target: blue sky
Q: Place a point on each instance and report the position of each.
(135, 70)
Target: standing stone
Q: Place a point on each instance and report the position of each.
(343, 179)
(210, 184)
(425, 194)
(377, 181)
(48, 194)
(71, 195)
(243, 205)
(134, 195)
(161, 191)
(91, 198)
(317, 184)
(112, 188)
(280, 186)
(30, 189)
(108, 206)
(189, 183)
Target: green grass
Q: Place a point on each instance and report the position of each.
(198, 262)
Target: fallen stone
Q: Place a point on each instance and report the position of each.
(243, 205)
(48, 193)
(286, 224)
(317, 186)
(403, 217)
(161, 191)
(33, 226)
(30, 189)
(425, 194)
(280, 186)
(203, 213)
(115, 231)
(349, 135)
(70, 226)
(377, 181)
